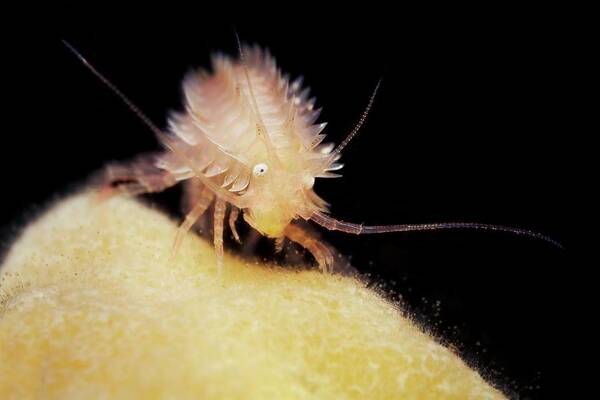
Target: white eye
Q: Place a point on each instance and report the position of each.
(260, 169)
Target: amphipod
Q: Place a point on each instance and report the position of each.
(249, 141)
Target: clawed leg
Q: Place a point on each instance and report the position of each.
(319, 250)
(202, 204)
(233, 216)
(219, 217)
(135, 178)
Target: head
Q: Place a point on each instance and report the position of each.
(278, 194)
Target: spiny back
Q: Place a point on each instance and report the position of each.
(224, 109)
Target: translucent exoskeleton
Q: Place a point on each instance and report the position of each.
(248, 140)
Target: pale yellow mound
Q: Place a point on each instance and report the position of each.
(91, 308)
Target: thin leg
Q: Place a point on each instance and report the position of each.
(137, 177)
(233, 216)
(219, 220)
(320, 251)
(192, 191)
(202, 204)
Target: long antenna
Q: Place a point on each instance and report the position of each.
(159, 133)
(162, 136)
(359, 124)
(333, 224)
(262, 128)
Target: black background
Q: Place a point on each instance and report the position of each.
(469, 125)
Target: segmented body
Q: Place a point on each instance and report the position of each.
(249, 138)
(221, 130)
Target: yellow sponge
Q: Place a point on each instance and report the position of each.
(91, 307)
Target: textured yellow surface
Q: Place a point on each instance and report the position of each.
(91, 308)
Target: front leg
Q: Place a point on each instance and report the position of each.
(318, 249)
(219, 220)
(203, 200)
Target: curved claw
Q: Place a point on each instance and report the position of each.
(318, 249)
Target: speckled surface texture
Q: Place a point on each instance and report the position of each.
(91, 308)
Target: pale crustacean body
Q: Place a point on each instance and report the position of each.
(249, 140)
(251, 136)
